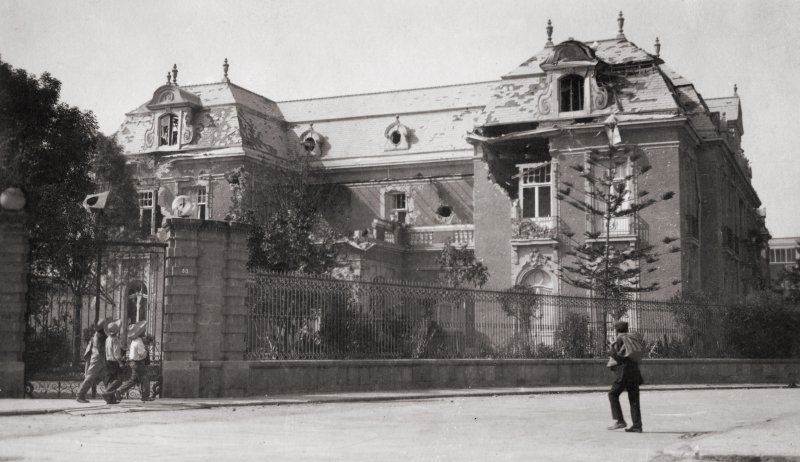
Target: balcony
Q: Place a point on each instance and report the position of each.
(534, 228)
(619, 227)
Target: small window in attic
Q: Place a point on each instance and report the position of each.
(312, 141)
(309, 144)
(571, 93)
(396, 137)
(168, 130)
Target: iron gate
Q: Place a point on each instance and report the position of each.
(98, 280)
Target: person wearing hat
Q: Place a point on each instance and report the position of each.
(95, 357)
(115, 360)
(626, 352)
(137, 353)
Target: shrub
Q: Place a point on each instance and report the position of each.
(762, 327)
(572, 336)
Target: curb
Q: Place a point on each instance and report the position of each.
(288, 400)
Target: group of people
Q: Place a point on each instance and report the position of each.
(119, 366)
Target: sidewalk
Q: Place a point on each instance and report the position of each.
(20, 407)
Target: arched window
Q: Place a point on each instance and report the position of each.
(137, 302)
(571, 92)
(540, 281)
(168, 130)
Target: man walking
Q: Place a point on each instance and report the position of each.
(136, 356)
(95, 357)
(115, 360)
(626, 352)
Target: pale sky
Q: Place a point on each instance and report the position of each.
(111, 55)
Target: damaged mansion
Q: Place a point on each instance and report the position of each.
(480, 166)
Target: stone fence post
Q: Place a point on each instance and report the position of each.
(205, 316)
(13, 287)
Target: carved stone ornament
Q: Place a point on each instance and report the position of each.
(149, 134)
(167, 96)
(599, 95)
(544, 102)
(188, 128)
(536, 259)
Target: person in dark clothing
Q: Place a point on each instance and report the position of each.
(95, 357)
(626, 352)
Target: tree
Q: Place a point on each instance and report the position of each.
(55, 154)
(598, 265)
(460, 267)
(288, 231)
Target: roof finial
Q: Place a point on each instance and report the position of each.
(549, 34)
(174, 74)
(168, 76)
(735, 90)
(658, 48)
(621, 22)
(225, 70)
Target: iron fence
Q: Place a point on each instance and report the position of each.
(306, 317)
(95, 280)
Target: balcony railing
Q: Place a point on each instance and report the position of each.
(534, 228)
(619, 226)
(422, 236)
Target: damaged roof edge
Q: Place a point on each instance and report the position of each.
(539, 132)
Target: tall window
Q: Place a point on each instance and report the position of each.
(397, 206)
(571, 92)
(536, 188)
(149, 213)
(168, 130)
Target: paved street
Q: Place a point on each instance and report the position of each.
(677, 423)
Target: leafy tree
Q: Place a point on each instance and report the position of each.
(287, 229)
(55, 154)
(598, 265)
(460, 267)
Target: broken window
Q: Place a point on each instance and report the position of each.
(168, 130)
(200, 198)
(149, 213)
(571, 92)
(535, 190)
(397, 207)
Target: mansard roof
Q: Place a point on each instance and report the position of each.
(352, 128)
(610, 51)
(226, 115)
(729, 109)
(441, 98)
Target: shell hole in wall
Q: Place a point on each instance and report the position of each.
(444, 211)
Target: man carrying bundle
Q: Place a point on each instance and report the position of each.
(626, 352)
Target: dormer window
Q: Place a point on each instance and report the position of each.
(571, 93)
(168, 130)
(396, 136)
(312, 141)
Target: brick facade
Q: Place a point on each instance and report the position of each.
(460, 149)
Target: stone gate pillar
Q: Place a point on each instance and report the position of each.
(13, 286)
(205, 317)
